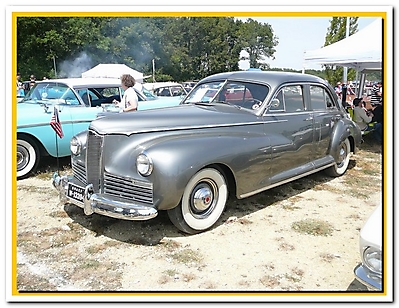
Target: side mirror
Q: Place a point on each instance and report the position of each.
(275, 103)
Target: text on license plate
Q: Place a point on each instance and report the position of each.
(75, 192)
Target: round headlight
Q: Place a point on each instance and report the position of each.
(75, 146)
(372, 259)
(144, 165)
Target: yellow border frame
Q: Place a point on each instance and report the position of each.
(249, 14)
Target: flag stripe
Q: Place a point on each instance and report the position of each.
(56, 124)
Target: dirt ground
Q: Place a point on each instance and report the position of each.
(300, 237)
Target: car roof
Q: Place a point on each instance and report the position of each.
(270, 77)
(86, 82)
(157, 85)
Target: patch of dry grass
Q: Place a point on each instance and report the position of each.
(187, 257)
(313, 227)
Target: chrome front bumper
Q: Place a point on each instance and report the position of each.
(101, 204)
(372, 281)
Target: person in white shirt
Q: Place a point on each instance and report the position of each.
(129, 100)
(361, 115)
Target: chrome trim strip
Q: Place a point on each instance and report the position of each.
(47, 123)
(166, 129)
(285, 181)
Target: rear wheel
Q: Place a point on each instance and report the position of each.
(341, 165)
(28, 156)
(203, 202)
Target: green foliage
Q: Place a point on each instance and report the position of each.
(258, 41)
(337, 32)
(183, 48)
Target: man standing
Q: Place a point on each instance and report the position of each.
(378, 117)
(376, 93)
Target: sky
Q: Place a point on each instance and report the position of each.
(297, 35)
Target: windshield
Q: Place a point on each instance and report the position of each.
(51, 93)
(149, 96)
(241, 94)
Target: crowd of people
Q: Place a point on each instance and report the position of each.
(24, 86)
(368, 112)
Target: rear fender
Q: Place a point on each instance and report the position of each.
(341, 131)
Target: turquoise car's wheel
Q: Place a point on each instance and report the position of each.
(203, 202)
(27, 156)
(341, 165)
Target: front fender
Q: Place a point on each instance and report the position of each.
(177, 160)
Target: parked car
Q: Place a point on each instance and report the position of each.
(190, 158)
(188, 85)
(72, 97)
(369, 271)
(166, 89)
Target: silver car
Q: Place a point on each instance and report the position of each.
(235, 134)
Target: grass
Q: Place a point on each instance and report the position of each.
(187, 257)
(313, 227)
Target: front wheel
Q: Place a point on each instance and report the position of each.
(340, 166)
(27, 156)
(203, 202)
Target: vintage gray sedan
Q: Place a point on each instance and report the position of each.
(236, 134)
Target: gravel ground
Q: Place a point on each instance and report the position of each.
(299, 238)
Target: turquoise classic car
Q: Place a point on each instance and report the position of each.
(78, 102)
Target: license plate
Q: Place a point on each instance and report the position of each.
(75, 192)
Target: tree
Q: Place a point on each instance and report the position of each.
(41, 41)
(202, 46)
(184, 48)
(258, 41)
(337, 32)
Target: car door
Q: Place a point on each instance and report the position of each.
(325, 114)
(289, 125)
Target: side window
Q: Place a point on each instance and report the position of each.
(293, 98)
(288, 99)
(319, 98)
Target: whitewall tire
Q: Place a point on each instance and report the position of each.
(27, 156)
(202, 203)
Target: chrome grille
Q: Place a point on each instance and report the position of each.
(128, 188)
(93, 159)
(79, 172)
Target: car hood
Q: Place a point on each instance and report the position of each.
(173, 118)
(29, 113)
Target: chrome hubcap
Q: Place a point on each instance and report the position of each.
(202, 198)
(22, 158)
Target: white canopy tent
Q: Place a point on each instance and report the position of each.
(112, 71)
(361, 51)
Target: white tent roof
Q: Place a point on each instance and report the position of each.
(361, 51)
(112, 71)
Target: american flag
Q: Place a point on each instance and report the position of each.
(56, 124)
